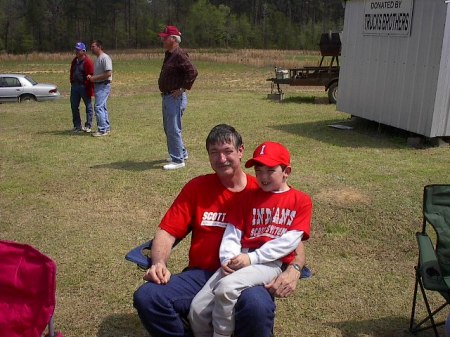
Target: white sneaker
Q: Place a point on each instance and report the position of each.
(174, 166)
(99, 134)
(86, 129)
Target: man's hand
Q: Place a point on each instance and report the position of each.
(158, 273)
(177, 93)
(240, 261)
(285, 284)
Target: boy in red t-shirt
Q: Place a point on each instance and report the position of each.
(262, 235)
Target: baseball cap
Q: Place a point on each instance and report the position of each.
(80, 46)
(270, 154)
(170, 30)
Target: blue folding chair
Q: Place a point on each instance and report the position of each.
(141, 257)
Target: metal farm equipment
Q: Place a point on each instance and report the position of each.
(322, 75)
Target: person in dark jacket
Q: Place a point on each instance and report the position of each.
(177, 75)
(81, 88)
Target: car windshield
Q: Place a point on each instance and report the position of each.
(33, 82)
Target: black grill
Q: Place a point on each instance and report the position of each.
(330, 44)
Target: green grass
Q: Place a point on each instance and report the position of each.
(85, 201)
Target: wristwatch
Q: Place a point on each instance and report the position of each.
(297, 267)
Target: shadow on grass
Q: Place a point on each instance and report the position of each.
(306, 99)
(303, 100)
(63, 133)
(121, 325)
(133, 165)
(363, 133)
(382, 327)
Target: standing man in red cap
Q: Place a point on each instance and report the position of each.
(177, 75)
(80, 68)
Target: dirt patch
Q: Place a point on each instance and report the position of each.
(344, 197)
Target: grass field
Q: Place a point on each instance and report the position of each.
(86, 201)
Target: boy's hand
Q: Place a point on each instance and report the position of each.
(226, 270)
(240, 261)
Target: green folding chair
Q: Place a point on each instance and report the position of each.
(433, 268)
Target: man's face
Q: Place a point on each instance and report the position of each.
(168, 42)
(79, 53)
(225, 159)
(95, 49)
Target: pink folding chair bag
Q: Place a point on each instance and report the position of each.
(27, 291)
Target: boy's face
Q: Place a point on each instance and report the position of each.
(272, 179)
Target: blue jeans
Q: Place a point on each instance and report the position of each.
(172, 111)
(163, 308)
(102, 92)
(78, 93)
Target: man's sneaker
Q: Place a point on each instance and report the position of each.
(76, 130)
(86, 129)
(174, 166)
(99, 134)
(169, 159)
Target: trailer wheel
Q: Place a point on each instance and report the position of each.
(333, 92)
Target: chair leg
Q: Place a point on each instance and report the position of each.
(51, 328)
(418, 327)
(430, 314)
(413, 310)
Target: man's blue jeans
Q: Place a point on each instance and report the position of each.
(172, 111)
(78, 93)
(162, 308)
(102, 92)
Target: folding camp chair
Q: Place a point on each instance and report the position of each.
(27, 291)
(433, 268)
(141, 257)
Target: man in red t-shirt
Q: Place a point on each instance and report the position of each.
(202, 207)
(81, 89)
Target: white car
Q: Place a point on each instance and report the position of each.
(22, 88)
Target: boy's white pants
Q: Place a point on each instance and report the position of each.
(212, 309)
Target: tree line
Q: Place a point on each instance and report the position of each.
(55, 25)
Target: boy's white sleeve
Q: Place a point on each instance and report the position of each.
(231, 244)
(277, 248)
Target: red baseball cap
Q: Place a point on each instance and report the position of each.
(170, 30)
(270, 154)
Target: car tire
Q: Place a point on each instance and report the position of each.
(333, 92)
(27, 98)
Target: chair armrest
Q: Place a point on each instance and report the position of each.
(305, 273)
(141, 254)
(429, 268)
